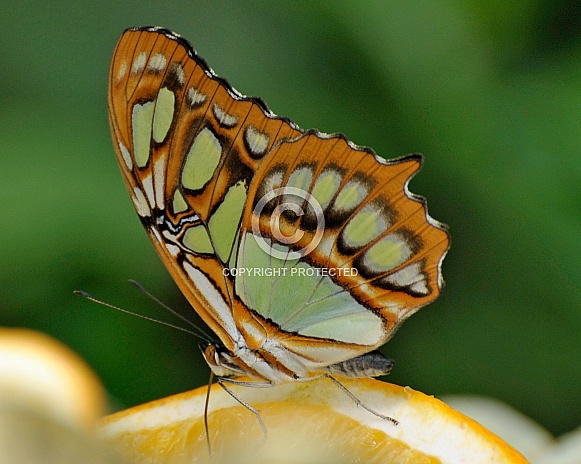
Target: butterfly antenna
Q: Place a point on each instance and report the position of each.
(90, 297)
(200, 332)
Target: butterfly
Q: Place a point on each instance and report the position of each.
(302, 251)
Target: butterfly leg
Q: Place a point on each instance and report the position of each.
(222, 380)
(245, 384)
(206, 405)
(357, 401)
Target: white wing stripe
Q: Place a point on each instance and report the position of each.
(215, 300)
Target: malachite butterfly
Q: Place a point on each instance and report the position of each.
(302, 251)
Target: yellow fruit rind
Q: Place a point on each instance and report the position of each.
(306, 422)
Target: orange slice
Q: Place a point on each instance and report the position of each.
(49, 401)
(311, 422)
(44, 376)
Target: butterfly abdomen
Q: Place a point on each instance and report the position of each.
(371, 364)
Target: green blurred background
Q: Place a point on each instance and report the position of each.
(489, 91)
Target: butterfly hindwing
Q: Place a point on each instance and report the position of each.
(378, 258)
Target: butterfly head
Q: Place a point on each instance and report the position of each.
(220, 360)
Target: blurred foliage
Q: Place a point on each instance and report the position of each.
(489, 91)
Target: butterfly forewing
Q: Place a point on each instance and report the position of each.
(205, 166)
(188, 146)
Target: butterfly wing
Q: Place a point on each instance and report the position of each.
(199, 159)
